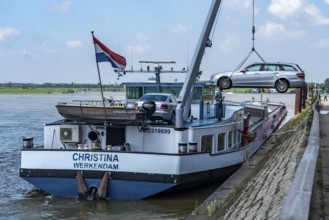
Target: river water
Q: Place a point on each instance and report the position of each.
(25, 115)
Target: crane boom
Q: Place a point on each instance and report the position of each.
(186, 93)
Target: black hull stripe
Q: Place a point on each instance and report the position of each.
(126, 176)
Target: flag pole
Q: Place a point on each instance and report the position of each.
(99, 77)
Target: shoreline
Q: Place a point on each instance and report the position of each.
(54, 90)
(62, 90)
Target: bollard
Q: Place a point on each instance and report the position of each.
(27, 142)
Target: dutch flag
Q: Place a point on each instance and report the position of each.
(104, 54)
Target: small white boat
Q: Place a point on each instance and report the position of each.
(95, 111)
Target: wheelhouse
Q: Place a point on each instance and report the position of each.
(202, 90)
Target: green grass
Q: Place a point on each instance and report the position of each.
(31, 90)
(43, 90)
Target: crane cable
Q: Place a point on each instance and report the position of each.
(253, 31)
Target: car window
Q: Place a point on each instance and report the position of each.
(159, 98)
(280, 67)
(288, 68)
(255, 67)
(162, 98)
(147, 98)
(271, 67)
(300, 68)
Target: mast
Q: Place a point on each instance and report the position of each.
(185, 96)
(99, 77)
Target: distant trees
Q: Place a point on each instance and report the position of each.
(72, 85)
(326, 85)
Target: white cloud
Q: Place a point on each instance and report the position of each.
(8, 53)
(275, 31)
(73, 44)
(229, 44)
(298, 11)
(284, 8)
(45, 47)
(16, 53)
(141, 48)
(238, 4)
(141, 37)
(321, 43)
(140, 44)
(271, 30)
(178, 28)
(316, 15)
(27, 53)
(61, 6)
(7, 33)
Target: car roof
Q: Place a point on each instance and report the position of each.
(275, 63)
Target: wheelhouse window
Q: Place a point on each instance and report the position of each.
(230, 139)
(171, 89)
(197, 93)
(237, 137)
(206, 143)
(134, 92)
(221, 142)
(150, 89)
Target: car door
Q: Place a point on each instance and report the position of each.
(248, 77)
(267, 76)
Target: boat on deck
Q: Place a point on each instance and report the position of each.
(138, 159)
(96, 111)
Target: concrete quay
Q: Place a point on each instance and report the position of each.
(281, 181)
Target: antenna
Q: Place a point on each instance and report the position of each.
(157, 70)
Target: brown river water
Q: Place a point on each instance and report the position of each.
(25, 115)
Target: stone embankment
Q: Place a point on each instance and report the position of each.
(257, 190)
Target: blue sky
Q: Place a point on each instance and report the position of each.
(50, 40)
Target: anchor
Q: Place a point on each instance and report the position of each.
(94, 193)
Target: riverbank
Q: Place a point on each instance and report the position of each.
(55, 90)
(95, 88)
(258, 189)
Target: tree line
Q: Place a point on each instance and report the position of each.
(57, 85)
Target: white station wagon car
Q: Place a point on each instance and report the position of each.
(280, 76)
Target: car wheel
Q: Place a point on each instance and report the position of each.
(281, 85)
(224, 83)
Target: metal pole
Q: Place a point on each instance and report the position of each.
(99, 77)
(157, 78)
(194, 68)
